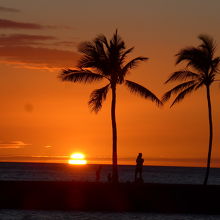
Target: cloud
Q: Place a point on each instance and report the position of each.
(65, 43)
(40, 158)
(6, 9)
(31, 51)
(48, 146)
(12, 144)
(37, 51)
(38, 57)
(33, 40)
(4, 23)
(10, 24)
(23, 39)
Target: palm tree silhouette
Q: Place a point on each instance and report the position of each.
(204, 67)
(103, 59)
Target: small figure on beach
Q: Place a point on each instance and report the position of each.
(109, 177)
(138, 169)
(98, 171)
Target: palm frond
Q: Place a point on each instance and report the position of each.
(199, 84)
(142, 91)
(94, 56)
(124, 54)
(131, 64)
(100, 49)
(97, 97)
(185, 54)
(102, 38)
(177, 89)
(182, 75)
(86, 47)
(117, 42)
(84, 76)
(182, 95)
(200, 59)
(208, 44)
(215, 64)
(90, 55)
(195, 57)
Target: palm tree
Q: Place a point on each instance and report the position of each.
(103, 59)
(201, 70)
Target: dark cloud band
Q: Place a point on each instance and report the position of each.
(38, 57)
(9, 24)
(6, 9)
(23, 39)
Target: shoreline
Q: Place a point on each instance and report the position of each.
(122, 197)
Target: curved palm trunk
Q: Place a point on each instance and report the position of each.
(210, 134)
(114, 137)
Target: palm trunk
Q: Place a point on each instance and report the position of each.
(210, 134)
(114, 137)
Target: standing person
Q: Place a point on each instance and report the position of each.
(139, 166)
(109, 177)
(98, 171)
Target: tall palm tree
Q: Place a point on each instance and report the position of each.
(103, 59)
(201, 70)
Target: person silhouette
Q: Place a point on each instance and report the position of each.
(98, 171)
(138, 169)
(109, 177)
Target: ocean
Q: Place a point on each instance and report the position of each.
(66, 172)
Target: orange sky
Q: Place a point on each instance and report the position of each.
(44, 119)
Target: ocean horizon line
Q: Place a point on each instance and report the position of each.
(180, 162)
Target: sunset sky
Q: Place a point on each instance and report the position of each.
(44, 119)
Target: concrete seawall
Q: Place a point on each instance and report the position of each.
(91, 196)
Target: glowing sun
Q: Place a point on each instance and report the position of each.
(77, 159)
